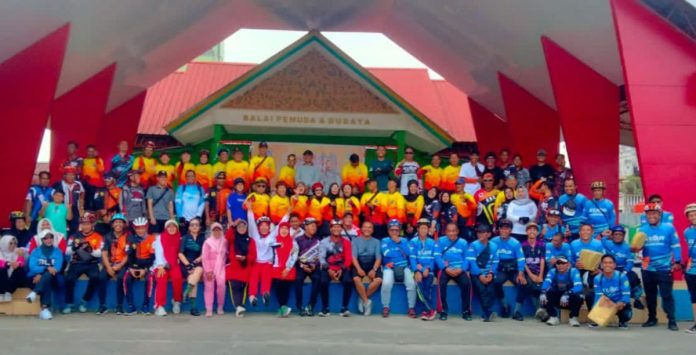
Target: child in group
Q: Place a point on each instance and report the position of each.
(214, 258)
(11, 267)
(284, 273)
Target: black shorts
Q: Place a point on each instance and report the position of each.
(367, 268)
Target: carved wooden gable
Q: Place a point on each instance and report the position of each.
(311, 83)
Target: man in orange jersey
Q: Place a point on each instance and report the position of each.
(92, 175)
(106, 198)
(372, 203)
(263, 164)
(164, 165)
(485, 198)
(204, 170)
(147, 165)
(395, 203)
(141, 256)
(238, 167)
(114, 260)
(84, 253)
(466, 211)
(450, 174)
(216, 201)
(432, 174)
(287, 173)
(354, 173)
(223, 155)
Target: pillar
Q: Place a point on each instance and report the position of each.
(400, 140)
(118, 125)
(77, 115)
(533, 124)
(659, 65)
(492, 133)
(29, 80)
(588, 107)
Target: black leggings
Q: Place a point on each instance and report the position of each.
(347, 283)
(238, 290)
(10, 283)
(499, 280)
(282, 291)
(299, 288)
(690, 284)
(74, 272)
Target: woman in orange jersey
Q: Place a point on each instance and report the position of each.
(299, 202)
(432, 174)
(466, 211)
(414, 203)
(335, 210)
(318, 204)
(183, 166)
(204, 171)
(259, 199)
(350, 203)
(450, 174)
(280, 203)
(238, 167)
(395, 203)
(164, 165)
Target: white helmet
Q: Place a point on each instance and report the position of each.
(140, 222)
(690, 208)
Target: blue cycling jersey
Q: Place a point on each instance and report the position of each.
(661, 246)
(600, 214)
(489, 265)
(423, 253)
(509, 249)
(690, 236)
(615, 287)
(396, 253)
(578, 245)
(553, 252)
(452, 253)
(568, 281)
(621, 252)
(572, 209)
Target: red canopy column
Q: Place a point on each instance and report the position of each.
(77, 115)
(659, 64)
(588, 107)
(29, 81)
(492, 133)
(118, 125)
(533, 124)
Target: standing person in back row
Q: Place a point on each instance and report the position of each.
(471, 172)
(262, 165)
(307, 172)
(381, 168)
(542, 169)
(407, 170)
(121, 164)
(160, 203)
(189, 201)
(147, 165)
(599, 211)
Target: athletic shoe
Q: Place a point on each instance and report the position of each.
(67, 309)
(467, 316)
(672, 325)
(423, 315)
(487, 317)
(119, 310)
(443, 316)
(102, 310)
(574, 322)
(220, 311)
(208, 314)
(131, 311)
(692, 330)
(253, 300)
(266, 299)
(361, 307)
(518, 316)
(176, 307)
(45, 314)
(411, 313)
(553, 321)
(160, 312)
(541, 314)
(368, 307)
(239, 312)
(324, 313)
(83, 307)
(286, 312)
(31, 297)
(430, 315)
(637, 304)
(623, 325)
(505, 311)
(592, 325)
(385, 312)
(281, 311)
(649, 323)
(3, 298)
(146, 311)
(345, 312)
(195, 312)
(309, 310)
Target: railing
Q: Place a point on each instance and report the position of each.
(627, 215)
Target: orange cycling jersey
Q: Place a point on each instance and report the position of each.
(354, 175)
(279, 207)
(450, 174)
(169, 169)
(204, 175)
(287, 176)
(262, 167)
(118, 249)
(259, 204)
(238, 169)
(373, 207)
(181, 169)
(300, 206)
(432, 176)
(318, 207)
(414, 209)
(93, 171)
(145, 249)
(148, 167)
(395, 206)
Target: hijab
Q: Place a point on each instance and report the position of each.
(241, 243)
(6, 254)
(522, 197)
(57, 236)
(410, 197)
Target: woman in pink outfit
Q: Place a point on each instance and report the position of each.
(214, 258)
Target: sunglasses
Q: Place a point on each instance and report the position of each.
(488, 180)
(264, 186)
(408, 152)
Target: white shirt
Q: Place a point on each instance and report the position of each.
(469, 172)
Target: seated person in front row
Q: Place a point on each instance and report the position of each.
(562, 288)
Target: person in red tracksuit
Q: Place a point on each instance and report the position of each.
(242, 257)
(167, 268)
(284, 274)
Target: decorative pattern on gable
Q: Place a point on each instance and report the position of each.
(311, 83)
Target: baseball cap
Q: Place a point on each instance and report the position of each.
(109, 175)
(394, 223)
(15, 215)
(223, 149)
(504, 223)
(161, 173)
(532, 225)
(150, 144)
(221, 175)
(553, 212)
(88, 217)
(260, 180)
(263, 145)
(562, 259)
(239, 180)
(423, 221)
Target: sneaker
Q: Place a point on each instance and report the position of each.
(146, 311)
(553, 321)
(324, 313)
(281, 311)
(411, 313)
(592, 325)
(385, 312)
(541, 314)
(423, 315)
(220, 311)
(672, 325)
(574, 322)
(45, 314)
(368, 308)
(119, 310)
(637, 304)
(266, 299)
(82, 308)
(286, 312)
(3, 298)
(208, 314)
(102, 310)
(518, 316)
(692, 330)
(505, 311)
(31, 297)
(361, 306)
(176, 307)
(310, 311)
(239, 312)
(160, 312)
(430, 315)
(443, 316)
(131, 311)
(487, 317)
(623, 325)
(67, 309)
(649, 323)
(195, 312)
(467, 316)
(253, 301)
(345, 312)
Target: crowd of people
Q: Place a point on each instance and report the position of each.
(234, 224)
